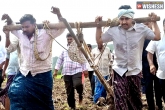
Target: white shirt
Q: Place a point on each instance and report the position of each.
(28, 61)
(159, 48)
(128, 47)
(88, 65)
(2, 53)
(13, 66)
(104, 62)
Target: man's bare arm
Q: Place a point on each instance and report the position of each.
(151, 64)
(155, 26)
(150, 58)
(98, 30)
(156, 31)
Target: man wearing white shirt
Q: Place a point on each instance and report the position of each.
(90, 73)
(128, 40)
(102, 58)
(159, 48)
(2, 61)
(11, 68)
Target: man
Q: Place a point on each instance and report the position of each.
(31, 89)
(2, 61)
(128, 40)
(11, 64)
(102, 58)
(158, 47)
(150, 80)
(90, 73)
(11, 67)
(72, 73)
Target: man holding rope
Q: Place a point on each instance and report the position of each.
(128, 40)
(102, 58)
(32, 87)
(72, 72)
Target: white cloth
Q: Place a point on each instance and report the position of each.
(127, 13)
(13, 66)
(28, 61)
(159, 48)
(104, 61)
(89, 67)
(2, 53)
(128, 47)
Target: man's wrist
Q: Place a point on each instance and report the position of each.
(59, 15)
(151, 64)
(7, 35)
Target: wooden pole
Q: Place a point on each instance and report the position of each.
(82, 25)
(96, 70)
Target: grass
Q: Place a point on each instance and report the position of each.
(59, 76)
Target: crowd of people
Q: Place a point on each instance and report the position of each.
(138, 57)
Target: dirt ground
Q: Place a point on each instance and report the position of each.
(60, 98)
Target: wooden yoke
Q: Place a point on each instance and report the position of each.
(83, 24)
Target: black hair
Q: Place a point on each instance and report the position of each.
(28, 17)
(68, 35)
(0, 37)
(164, 21)
(125, 7)
(89, 45)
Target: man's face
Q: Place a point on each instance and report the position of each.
(69, 40)
(28, 28)
(149, 24)
(125, 22)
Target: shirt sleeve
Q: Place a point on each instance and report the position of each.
(3, 53)
(151, 47)
(107, 37)
(8, 56)
(13, 45)
(60, 61)
(57, 32)
(149, 33)
(17, 33)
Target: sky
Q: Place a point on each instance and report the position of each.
(73, 11)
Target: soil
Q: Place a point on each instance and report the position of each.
(60, 98)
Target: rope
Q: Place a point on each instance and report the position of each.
(46, 27)
(79, 31)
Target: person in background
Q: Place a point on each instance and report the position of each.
(151, 82)
(90, 74)
(102, 58)
(2, 61)
(72, 75)
(158, 47)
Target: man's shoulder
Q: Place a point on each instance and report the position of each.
(140, 26)
(115, 28)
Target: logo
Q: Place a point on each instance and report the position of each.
(139, 6)
(150, 5)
